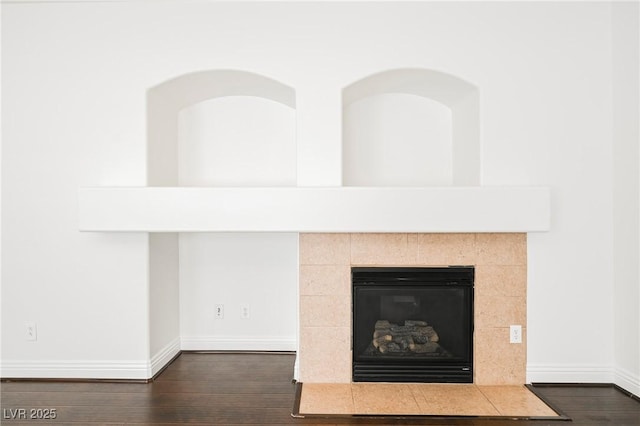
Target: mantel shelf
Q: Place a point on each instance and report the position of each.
(314, 209)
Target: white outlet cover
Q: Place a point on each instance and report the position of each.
(515, 334)
(219, 311)
(31, 331)
(244, 311)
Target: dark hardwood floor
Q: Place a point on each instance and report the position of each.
(251, 389)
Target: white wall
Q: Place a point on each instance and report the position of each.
(257, 270)
(626, 137)
(75, 79)
(65, 124)
(164, 299)
(397, 140)
(569, 148)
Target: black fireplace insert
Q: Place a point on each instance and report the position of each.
(413, 324)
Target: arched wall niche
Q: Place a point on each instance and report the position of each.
(188, 271)
(237, 141)
(446, 115)
(166, 100)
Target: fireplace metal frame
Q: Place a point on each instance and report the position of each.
(423, 370)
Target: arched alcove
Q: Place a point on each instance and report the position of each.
(411, 127)
(165, 101)
(222, 128)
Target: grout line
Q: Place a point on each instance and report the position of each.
(489, 400)
(414, 390)
(353, 399)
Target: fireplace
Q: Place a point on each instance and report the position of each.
(326, 290)
(413, 324)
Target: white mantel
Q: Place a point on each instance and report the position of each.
(314, 209)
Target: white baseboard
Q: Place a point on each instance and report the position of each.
(246, 343)
(627, 381)
(164, 356)
(137, 370)
(569, 373)
(82, 369)
(76, 369)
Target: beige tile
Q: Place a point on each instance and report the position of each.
(325, 311)
(501, 249)
(446, 249)
(376, 398)
(516, 401)
(452, 399)
(325, 354)
(384, 249)
(496, 361)
(501, 275)
(319, 280)
(501, 280)
(499, 311)
(430, 399)
(324, 249)
(326, 398)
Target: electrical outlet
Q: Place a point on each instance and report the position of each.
(244, 311)
(31, 331)
(219, 314)
(515, 334)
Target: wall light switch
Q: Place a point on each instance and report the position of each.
(515, 334)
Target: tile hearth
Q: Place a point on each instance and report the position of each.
(420, 399)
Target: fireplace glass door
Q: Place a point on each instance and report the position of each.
(413, 325)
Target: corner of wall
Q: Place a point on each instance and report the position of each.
(627, 380)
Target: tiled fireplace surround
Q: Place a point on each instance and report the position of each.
(500, 261)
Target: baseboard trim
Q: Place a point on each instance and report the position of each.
(249, 343)
(76, 369)
(565, 373)
(628, 381)
(164, 357)
(136, 371)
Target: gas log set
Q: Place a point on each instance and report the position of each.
(413, 337)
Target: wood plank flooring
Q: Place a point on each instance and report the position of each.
(253, 389)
